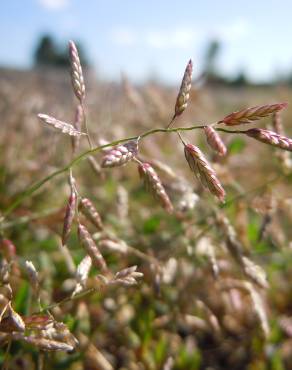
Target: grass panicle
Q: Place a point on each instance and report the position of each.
(76, 73)
(203, 171)
(154, 185)
(64, 127)
(252, 114)
(215, 141)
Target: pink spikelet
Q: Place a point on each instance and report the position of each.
(64, 127)
(91, 248)
(120, 154)
(11, 321)
(70, 212)
(153, 185)
(90, 212)
(252, 114)
(215, 141)
(44, 344)
(76, 72)
(184, 91)
(204, 172)
(271, 138)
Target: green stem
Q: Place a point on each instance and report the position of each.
(230, 131)
(82, 294)
(34, 187)
(32, 217)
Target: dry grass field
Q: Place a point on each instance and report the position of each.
(216, 286)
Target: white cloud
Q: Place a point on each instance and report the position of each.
(54, 4)
(235, 31)
(180, 37)
(176, 38)
(123, 37)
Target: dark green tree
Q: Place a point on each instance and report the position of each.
(48, 53)
(240, 80)
(210, 62)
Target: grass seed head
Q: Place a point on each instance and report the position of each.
(120, 154)
(127, 276)
(154, 185)
(271, 138)
(259, 308)
(255, 272)
(184, 91)
(91, 248)
(204, 172)
(47, 345)
(215, 141)
(65, 127)
(76, 72)
(33, 276)
(83, 269)
(11, 321)
(69, 215)
(82, 273)
(90, 212)
(252, 114)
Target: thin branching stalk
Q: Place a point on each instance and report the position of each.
(29, 191)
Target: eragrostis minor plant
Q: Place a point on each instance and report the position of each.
(41, 329)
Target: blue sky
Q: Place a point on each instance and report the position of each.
(144, 38)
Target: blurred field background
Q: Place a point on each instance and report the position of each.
(182, 314)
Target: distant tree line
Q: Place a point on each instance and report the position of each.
(211, 70)
(49, 54)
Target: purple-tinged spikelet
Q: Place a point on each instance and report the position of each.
(11, 321)
(252, 114)
(215, 141)
(120, 154)
(91, 248)
(69, 214)
(153, 185)
(204, 172)
(271, 138)
(82, 273)
(76, 72)
(45, 344)
(127, 276)
(184, 91)
(64, 127)
(254, 272)
(32, 276)
(90, 212)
